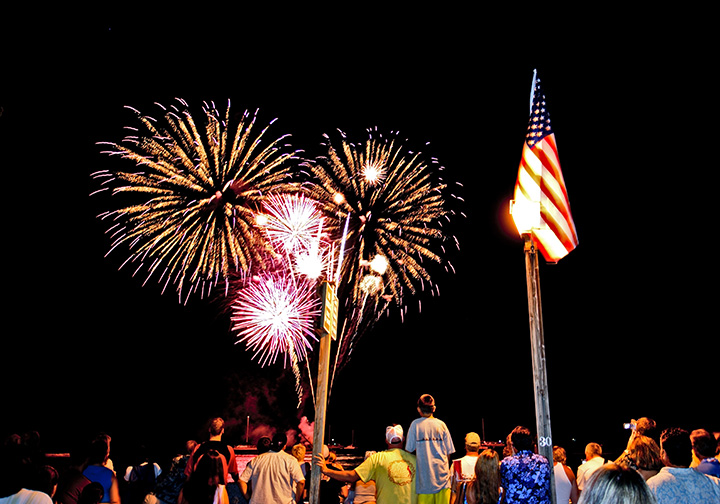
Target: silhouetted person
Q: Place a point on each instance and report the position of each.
(96, 470)
(215, 431)
(140, 479)
(263, 444)
(13, 477)
(72, 481)
(171, 482)
(91, 493)
(45, 480)
(206, 484)
(330, 488)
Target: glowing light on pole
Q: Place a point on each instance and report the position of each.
(526, 215)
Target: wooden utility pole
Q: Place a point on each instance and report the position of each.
(327, 331)
(537, 343)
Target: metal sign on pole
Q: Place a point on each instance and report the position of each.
(327, 331)
(537, 342)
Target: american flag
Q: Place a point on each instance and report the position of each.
(541, 202)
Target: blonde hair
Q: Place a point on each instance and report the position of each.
(616, 484)
(298, 451)
(593, 449)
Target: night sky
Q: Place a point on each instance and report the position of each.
(629, 316)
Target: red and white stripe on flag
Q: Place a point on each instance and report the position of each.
(541, 204)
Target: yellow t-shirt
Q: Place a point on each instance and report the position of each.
(394, 474)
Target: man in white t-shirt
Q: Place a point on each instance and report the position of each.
(274, 476)
(593, 461)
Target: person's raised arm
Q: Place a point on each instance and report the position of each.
(346, 476)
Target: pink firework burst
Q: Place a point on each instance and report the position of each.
(275, 314)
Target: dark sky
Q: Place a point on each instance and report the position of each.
(629, 315)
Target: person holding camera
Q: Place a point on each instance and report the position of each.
(642, 427)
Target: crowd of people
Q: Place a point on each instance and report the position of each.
(418, 466)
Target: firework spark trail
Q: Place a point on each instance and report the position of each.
(394, 203)
(189, 208)
(296, 372)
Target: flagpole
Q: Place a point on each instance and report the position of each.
(532, 90)
(537, 342)
(540, 170)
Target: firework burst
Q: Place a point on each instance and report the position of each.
(275, 314)
(393, 202)
(293, 222)
(190, 214)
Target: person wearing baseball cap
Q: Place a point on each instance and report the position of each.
(392, 470)
(463, 469)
